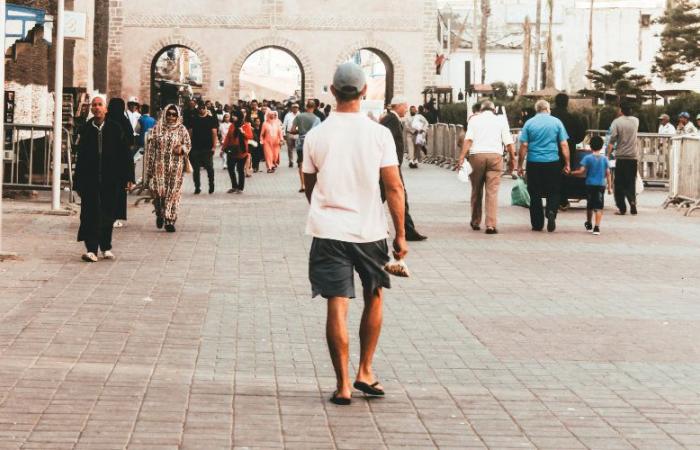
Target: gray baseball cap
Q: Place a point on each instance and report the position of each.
(349, 78)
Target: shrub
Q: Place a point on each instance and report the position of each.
(686, 102)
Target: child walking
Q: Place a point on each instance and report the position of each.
(596, 168)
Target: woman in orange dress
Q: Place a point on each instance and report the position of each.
(271, 136)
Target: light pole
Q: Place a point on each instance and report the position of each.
(3, 254)
(58, 111)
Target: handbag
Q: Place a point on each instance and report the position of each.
(188, 164)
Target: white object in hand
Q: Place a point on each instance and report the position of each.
(464, 172)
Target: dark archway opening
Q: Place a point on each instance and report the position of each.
(274, 73)
(176, 76)
(380, 73)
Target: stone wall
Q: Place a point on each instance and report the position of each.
(224, 33)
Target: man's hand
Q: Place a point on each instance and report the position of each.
(609, 190)
(129, 186)
(521, 172)
(459, 164)
(567, 169)
(400, 248)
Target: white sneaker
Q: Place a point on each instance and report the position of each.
(118, 224)
(89, 257)
(108, 255)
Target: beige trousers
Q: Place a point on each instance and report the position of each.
(486, 173)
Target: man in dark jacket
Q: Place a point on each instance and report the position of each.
(392, 120)
(576, 130)
(103, 170)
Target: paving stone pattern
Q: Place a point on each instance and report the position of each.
(208, 338)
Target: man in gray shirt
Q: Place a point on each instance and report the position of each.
(302, 124)
(624, 134)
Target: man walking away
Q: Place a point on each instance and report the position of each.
(144, 125)
(302, 124)
(623, 132)
(345, 159)
(392, 120)
(203, 128)
(484, 142)
(576, 130)
(417, 137)
(541, 138)
(290, 138)
(103, 170)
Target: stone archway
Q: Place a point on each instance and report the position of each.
(391, 59)
(157, 49)
(290, 47)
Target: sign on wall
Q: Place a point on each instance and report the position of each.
(75, 25)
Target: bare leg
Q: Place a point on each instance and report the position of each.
(301, 178)
(370, 328)
(338, 342)
(598, 217)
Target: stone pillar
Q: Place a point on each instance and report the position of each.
(430, 10)
(114, 55)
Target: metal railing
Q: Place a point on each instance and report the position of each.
(445, 143)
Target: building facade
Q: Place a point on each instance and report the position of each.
(623, 30)
(318, 35)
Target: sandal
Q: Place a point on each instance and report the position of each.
(369, 389)
(342, 401)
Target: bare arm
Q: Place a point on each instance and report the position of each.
(393, 186)
(608, 176)
(309, 183)
(521, 158)
(567, 156)
(215, 137)
(510, 148)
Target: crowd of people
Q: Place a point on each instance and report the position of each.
(349, 166)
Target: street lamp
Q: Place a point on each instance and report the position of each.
(58, 110)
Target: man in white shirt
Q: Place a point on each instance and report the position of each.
(132, 112)
(344, 160)
(685, 126)
(290, 138)
(666, 127)
(486, 136)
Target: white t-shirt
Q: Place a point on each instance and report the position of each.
(667, 129)
(347, 152)
(488, 133)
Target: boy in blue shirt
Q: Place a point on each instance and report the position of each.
(596, 168)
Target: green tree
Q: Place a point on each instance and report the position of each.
(680, 40)
(616, 77)
(500, 90)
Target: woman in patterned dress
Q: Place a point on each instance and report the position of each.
(169, 144)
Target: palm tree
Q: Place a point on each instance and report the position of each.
(485, 13)
(549, 82)
(616, 77)
(527, 43)
(538, 43)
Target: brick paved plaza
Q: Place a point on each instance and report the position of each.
(208, 338)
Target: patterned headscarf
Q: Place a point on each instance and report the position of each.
(168, 136)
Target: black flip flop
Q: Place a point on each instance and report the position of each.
(342, 401)
(369, 389)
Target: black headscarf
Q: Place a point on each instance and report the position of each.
(116, 112)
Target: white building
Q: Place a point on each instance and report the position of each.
(623, 30)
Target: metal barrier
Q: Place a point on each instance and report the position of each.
(445, 144)
(29, 156)
(685, 174)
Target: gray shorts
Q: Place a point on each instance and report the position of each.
(331, 265)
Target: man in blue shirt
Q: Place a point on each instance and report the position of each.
(145, 123)
(540, 141)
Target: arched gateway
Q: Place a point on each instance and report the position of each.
(318, 35)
